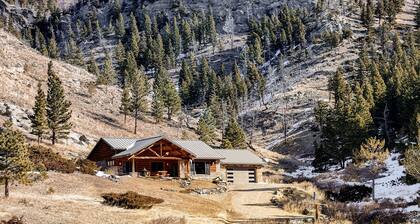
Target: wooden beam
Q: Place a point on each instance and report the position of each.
(133, 166)
(154, 152)
(157, 158)
(161, 149)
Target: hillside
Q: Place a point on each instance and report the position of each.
(327, 93)
(95, 109)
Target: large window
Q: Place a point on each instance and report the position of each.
(157, 166)
(200, 168)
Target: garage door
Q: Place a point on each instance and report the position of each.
(240, 176)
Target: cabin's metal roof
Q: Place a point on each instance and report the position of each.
(120, 143)
(199, 148)
(239, 156)
(137, 145)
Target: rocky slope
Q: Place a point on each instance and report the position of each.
(95, 109)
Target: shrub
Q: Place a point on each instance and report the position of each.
(47, 159)
(13, 220)
(130, 200)
(86, 166)
(383, 213)
(412, 161)
(50, 190)
(350, 193)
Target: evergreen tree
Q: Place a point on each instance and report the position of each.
(201, 82)
(42, 44)
(240, 83)
(98, 31)
(75, 56)
(301, 33)
(234, 136)
(58, 108)
(186, 36)
(176, 37)
(125, 106)
(135, 35)
(155, 28)
(14, 160)
(120, 26)
(39, 118)
(52, 48)
(368, 93)
(147, 25)
(158, 52)
(157, 104)
(212, 33)
(378, 84)
(139, 92)
(257, 81)
(337, 85)
(362, 116)
(166, 88)
(206, 127)
(93, 67)
(185, 82)
(167, 35)
(110, 30)
(255, 49)
(120, 56)
(107, 77)
(130, 68)
(283, 39)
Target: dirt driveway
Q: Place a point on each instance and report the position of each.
(252, 201)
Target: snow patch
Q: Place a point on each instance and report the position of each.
(390, 186)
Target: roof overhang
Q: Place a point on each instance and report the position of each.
(136, 151)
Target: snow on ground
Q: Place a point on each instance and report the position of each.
(390, 186)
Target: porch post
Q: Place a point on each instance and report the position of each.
(133, 168)
(180, 170)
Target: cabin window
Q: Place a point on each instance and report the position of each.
(201, 168)
(110, 163)
(157, 166)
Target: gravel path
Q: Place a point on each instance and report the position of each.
(253, 201)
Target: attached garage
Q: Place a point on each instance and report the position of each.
(241, 166)
(240, 175)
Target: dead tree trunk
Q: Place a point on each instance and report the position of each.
(386, 124)
(6, 187)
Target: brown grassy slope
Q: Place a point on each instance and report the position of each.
(95, 110)
(75, 198)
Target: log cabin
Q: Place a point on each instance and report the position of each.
(163, 156)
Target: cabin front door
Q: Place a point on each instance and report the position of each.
(173, 169)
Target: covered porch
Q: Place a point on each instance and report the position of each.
(162, 158)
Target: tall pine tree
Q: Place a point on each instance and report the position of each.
(58, 108)
(39, 118)
(139, 92)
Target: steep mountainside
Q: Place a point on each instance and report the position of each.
(95, 109)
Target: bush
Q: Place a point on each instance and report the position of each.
(47, 159)
(86, 166)
(13, 220)
(350, 193)
(384, 213)
(130, 200)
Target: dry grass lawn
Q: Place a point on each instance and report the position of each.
(75, 198)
